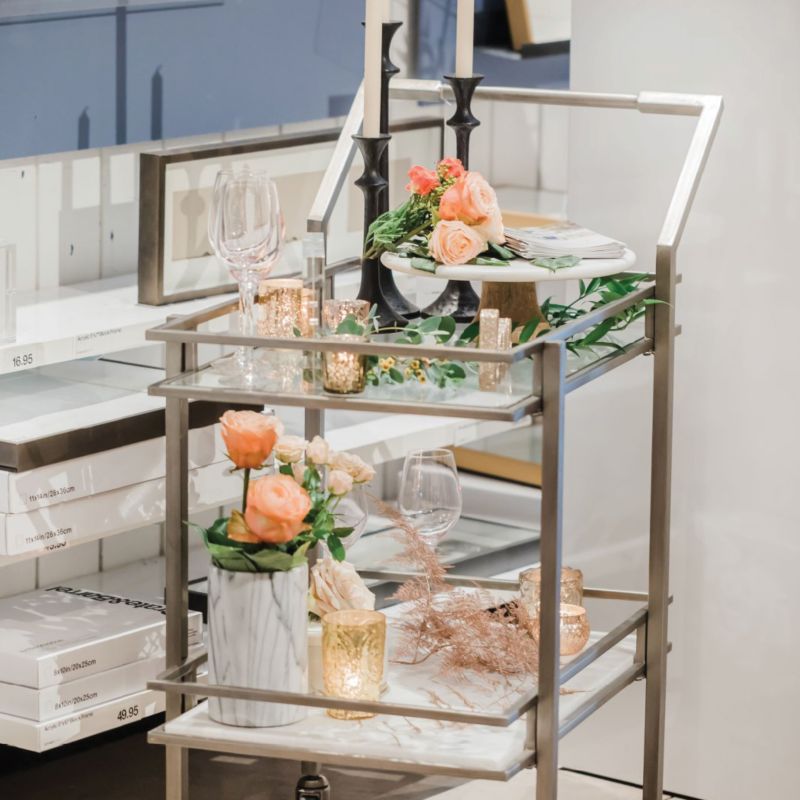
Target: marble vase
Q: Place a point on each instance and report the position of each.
(258, 638)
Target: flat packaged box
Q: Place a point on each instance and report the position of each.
(41, 736)
(102, 472)
(63, 412)
(77, 521)
(41, 705)
(58, 635)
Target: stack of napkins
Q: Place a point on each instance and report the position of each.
(565, 239)
(75, 662)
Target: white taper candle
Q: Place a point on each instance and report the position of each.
(373, 36)
(465, 34)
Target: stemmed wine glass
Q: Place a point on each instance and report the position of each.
(430, 493)
(245, 229)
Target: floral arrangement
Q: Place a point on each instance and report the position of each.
(452, 217)
(286, 511)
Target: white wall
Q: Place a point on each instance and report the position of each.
(734, 692)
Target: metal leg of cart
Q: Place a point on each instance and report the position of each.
(312, 784)
(553, 361)
(660, 493)
(178, 358)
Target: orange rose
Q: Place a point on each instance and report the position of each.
(469, 199)
(276, 508)
(450, 168)
(249, 437)
(453, 242)
(422, 181)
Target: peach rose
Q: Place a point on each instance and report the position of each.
(238, 530)
(450, 168)
(493, 229)
(469, 199)
(276, 508)
(453, 242)
(249, 437)
(422, 181)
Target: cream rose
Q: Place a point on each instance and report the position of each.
(299, 472)
(454, 242)
(339, 482)
(355, 467)
(319, 451)
(493, 229)
(335, 586)
(290, 449)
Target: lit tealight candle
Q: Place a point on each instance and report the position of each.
(465, 34)
(353, 643)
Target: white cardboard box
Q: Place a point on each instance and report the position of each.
(47, 529)
(41, 736)
(70, 697)
(102, 472)
(58, 635)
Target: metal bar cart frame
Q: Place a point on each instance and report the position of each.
(551, 385)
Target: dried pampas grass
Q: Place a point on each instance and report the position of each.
(462, 626)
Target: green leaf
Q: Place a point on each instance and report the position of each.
(429, 325)
(554, 264)
(488, 261)
(342, 532)
(529, 329)
(336, 547)
(503, 252)
(350, 326)
(469, 334)
(423, 264)
(396, 375)
(286, 469)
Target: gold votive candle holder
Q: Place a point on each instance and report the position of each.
(353, 646)
(530, 587)
(335, 312)
(281, 305)
(574, 628)
(344, 372)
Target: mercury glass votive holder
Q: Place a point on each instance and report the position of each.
(574, 629)
(281, 302)
(530, 587)
(344, 372)
(353, 645)
(334, 313)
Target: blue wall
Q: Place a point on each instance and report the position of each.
(93, 81)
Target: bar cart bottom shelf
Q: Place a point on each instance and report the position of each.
(404, 744)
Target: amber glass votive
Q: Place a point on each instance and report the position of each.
(281, 301)
(353, 644)
(530, 587)
(574, 629)
(335, 312)
(344, 372)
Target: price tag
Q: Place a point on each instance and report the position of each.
(21, 357)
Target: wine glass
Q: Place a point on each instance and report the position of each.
(245, 229)
(430, 493)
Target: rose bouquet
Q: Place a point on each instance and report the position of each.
(289, 510)
(451, 217)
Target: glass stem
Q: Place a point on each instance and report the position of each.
(247, 323)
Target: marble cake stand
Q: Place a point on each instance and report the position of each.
(512, 289)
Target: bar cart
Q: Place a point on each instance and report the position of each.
(523, 729)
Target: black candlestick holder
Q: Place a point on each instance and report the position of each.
(459, 300)
(385, 276)
(374, 186)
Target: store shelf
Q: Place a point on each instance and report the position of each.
(85, 319)
(413, 745)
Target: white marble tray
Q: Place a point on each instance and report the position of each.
(414, 745)
(518, 271)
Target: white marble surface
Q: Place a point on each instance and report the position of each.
(257, 638)
(405, 742)
(518, 271)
